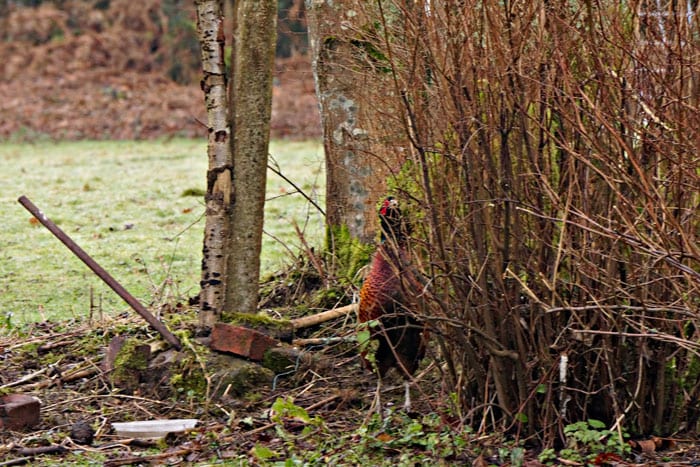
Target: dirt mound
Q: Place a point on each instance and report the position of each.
(80, 72)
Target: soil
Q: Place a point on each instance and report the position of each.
(67, 365)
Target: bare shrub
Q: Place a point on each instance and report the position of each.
(552, 161)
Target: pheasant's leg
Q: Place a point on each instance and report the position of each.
(377, 404)
(407, 399)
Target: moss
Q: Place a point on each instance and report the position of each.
(255, 320)
(197, 192)
(279, 359)
(130, 356)
(31, 348)
(249, 378)
(235, 376)
(187, 375)
(350, 254)
(325, 299)
(188, 379)
(130, 364)
(50, 358)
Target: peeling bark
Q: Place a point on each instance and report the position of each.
(219, 175)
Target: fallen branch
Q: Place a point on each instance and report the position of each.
(323, 340)
(17, 461)
(52, 449)
(324, 316)
(28, 454)
(70, 375)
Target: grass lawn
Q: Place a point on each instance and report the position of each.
(126, 204)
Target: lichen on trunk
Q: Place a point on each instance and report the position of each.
(251, 107)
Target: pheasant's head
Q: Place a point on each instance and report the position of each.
(392, 223)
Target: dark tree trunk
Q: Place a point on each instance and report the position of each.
(251, 104)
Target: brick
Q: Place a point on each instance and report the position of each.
(240, 341)
(19, 411)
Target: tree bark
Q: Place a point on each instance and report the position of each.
(251, 106)
(356, 166)
(219, 187)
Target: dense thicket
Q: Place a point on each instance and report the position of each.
(552, 155)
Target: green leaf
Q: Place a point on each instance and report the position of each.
(287, 408)
(263, 452)
(596, 424)
(363, 337)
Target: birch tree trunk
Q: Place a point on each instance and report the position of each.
(219, 187)
(251, 107)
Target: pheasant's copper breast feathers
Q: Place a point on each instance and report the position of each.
(379, 289)
(400, 334)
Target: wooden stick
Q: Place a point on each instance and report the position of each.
(323, 340)
(324, 316)
(52, 449)
(17, 461)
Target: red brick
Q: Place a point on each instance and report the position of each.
(241, 341)
(19, 411)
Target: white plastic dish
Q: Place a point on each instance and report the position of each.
(154, 428)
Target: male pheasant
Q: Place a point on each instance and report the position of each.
(399, 334)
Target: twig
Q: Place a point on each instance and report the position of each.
(24, 379)
(315, 261)
(52, 449)
(299, 190)
(322, 317)
(322, 340)
(17, 461)
(660, 336)
(146, 459)
(67, 375)
(107, 396)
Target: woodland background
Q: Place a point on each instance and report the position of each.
(74, 69)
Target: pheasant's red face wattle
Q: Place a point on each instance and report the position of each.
(390, 202)
(385, 205)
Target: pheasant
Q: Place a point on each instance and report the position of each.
(399, 334)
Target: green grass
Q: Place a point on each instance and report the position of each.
(125, 204)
